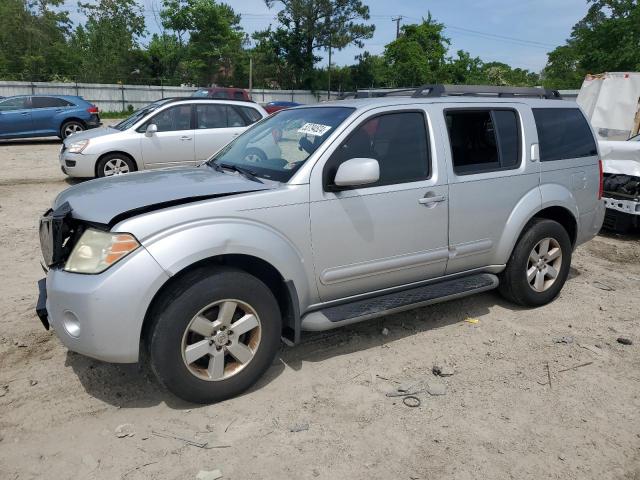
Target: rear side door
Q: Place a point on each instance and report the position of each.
(390, 233)
(173, 144)
(15, 117)
(490, 173)
(47, 114)
(216, 125)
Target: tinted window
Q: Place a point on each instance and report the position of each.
(219, 94)
(12, 104)
(234, 119)
(48, 102)
(173, 118)
(483, 140)
(563, 133)
(211, 116)
(251, 113)
(238, 95)
(397, 140)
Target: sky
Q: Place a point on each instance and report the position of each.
(516, 32)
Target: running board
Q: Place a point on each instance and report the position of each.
(346, 314)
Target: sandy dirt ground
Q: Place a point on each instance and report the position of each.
(321, 411)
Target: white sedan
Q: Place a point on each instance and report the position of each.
(167, 133)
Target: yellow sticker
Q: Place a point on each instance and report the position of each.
(472, 320)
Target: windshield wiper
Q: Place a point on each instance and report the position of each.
(242, 171)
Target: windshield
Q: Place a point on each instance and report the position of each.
(276, 147)
(139, 114)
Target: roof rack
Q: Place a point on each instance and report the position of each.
(439, 90)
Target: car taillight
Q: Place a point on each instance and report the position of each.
(93, 109)
(601, 186)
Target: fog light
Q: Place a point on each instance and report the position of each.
(70, 163)
(71, 323)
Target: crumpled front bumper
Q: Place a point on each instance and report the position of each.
(101, 315)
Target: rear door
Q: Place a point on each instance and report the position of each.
(46, 114)
(15, 117)
(490, 172)
(173, 144)
(216, 125)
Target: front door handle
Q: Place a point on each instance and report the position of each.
(426, 200)
(185, 138)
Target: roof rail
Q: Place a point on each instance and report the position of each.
(438, 90)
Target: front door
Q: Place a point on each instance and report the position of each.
(216, 125)
(390, 233)
(490, 173)
(173, 144)
(15, 117)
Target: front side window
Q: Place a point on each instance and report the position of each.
(173, 119)
(48, 102)
(398, 141)
(563, 133)
(276, 147)
(10, 104)
(138, 115)
(483, 140)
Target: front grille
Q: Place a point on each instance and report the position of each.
(55, 234)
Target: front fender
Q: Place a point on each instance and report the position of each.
(184, 245)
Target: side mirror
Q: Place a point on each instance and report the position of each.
(152, 128)
(357, 171)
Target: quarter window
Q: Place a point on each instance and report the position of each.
(563, 133)
(48, 102)
(398, 141)
(483, 140)
(173, 118)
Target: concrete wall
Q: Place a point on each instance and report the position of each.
(115, 98)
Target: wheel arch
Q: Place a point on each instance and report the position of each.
(283, 290)
(70, 119)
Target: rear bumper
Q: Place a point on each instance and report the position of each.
(590, 224)
(101, 316)
(94, 121)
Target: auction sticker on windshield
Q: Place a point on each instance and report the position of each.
(315, 129)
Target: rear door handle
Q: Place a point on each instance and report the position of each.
(433, 199)
(185, 138)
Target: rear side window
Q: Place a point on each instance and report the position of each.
(483, 140)
(397, 140)
(251, 113)
(219, 116)
(49, 102)
(563, 133)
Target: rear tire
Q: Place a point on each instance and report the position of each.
(539, 264)
(70, 127)
(199, 357)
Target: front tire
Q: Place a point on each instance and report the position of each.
(114, 164)
(539, 264)
(214, 334)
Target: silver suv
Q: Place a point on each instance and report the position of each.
(171, 132)
(318, 217)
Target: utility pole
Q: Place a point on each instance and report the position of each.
(397, 20)
(250, 74)
(329, 72)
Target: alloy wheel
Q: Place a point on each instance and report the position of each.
(72, 128)
(543, 266)
(115, 166)
(221, 340)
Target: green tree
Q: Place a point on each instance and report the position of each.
(208, 36)
(606, 39)
(107, 46)
(306, 27)
(418, 56)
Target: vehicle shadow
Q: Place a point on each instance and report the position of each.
(31, 141)
(135, 386)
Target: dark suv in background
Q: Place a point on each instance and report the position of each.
(25, 116)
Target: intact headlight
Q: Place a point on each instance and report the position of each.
(78, 147)
(96, 251)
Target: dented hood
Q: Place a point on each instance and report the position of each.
(105, 199)
(620, 157)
